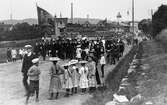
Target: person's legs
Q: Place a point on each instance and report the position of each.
(102, 70)
(57, 95)
(37, 91)
(25, 83)
(67, 93)
(51, 96)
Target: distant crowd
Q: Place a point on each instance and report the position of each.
(80, 50)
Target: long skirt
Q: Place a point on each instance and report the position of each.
(55, 84)
(83, 83)
(68, 83)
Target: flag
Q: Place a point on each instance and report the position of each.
(44, 17)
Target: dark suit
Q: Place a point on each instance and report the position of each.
(27, 63)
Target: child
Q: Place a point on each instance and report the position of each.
(83, 71)
(67, 79)
(33, 74)
(75, 75)
(55, 80)
(102, 63)
(91, 75)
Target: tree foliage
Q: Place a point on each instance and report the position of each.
(145, 26)
(159, 20)
(21, 31)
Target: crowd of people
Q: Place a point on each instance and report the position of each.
(79, 73)
(74, 49)
(14, 54)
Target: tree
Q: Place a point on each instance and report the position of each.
(145, 26)
(159, 20)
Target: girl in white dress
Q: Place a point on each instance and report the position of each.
(83, 71)
(67, 79)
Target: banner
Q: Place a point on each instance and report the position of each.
(44, 17)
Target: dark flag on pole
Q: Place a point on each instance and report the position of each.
(44, 17)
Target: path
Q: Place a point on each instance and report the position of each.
(12, 91)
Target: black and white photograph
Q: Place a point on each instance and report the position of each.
(83, 52)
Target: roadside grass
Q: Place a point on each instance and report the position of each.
(102, 96)
(3, 56)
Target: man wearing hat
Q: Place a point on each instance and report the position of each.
(55, 81)
(33, 74)
(27, 63)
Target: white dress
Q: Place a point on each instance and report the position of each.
(75, 76)
(78, 52)
(83, 83)
(68, 79)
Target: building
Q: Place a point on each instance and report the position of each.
(5, 27)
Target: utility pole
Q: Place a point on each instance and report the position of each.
(133, 27)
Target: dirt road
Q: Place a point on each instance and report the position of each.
(12, 91)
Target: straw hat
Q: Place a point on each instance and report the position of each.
(66, 64)
(83, 61)
(73, 62)
(78, 45)
(35, 60)
(27, 46)
(54, 59)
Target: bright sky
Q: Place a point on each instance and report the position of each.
(102, 9)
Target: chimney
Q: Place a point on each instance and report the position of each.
(71, 12)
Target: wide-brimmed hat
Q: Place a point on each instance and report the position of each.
(83, 62)
(74, 61)
(35, 60)
(54, 59)
(66, 64)
(78, 45)
(28, 46)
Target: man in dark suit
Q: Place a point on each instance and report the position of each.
(27, 63)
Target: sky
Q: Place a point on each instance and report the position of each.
(100, 9)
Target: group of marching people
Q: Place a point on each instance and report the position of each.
(79, 73)
(73, 49)
(73, 76)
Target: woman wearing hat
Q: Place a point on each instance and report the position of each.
(92, 74)
(67, 79)
(55, 81)
(75, 75)
(83, 71)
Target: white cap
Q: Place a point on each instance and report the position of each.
(83, 61)
(35, 60)
(27, 46)
(66, 64)
(54, 59)
(73, 62)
